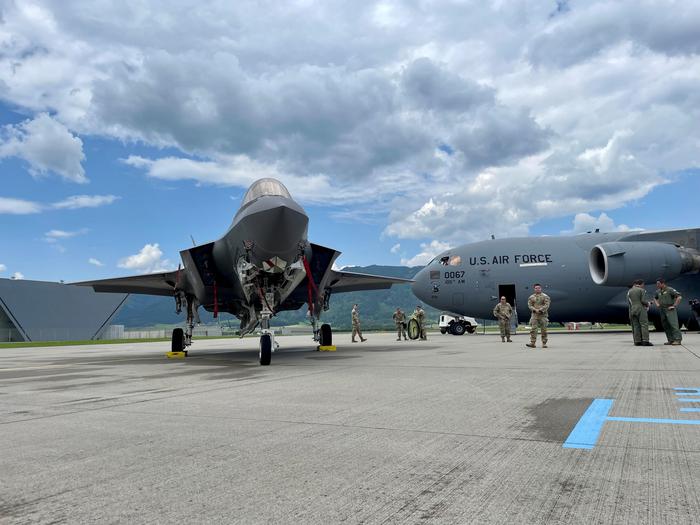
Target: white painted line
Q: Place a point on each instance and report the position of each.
(527, 265)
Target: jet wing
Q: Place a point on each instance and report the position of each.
(340, 282)
(152, 284)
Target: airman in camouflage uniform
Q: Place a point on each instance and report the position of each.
(356, 324)
(638, 306)
(667, 299)
(538, 303)
(419, 315)
(400, 320)
(503, 312)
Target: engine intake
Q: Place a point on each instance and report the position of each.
(620, 263)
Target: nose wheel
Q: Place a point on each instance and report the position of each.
(265, 354)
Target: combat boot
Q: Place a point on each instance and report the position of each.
(509, 340)
(503, 339)
(530, 345)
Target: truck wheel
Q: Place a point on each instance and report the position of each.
(458, 329)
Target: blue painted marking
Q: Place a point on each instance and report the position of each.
(683, 400)
(692, 391)
(585, 433)
(652, 420)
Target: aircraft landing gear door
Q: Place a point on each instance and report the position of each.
(458, 303)
(508, 290)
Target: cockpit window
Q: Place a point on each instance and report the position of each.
(265, 187)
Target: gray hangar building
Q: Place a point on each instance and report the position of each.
(46, 311)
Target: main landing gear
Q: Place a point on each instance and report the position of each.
(325, 336)
(178, 340)
(181, 339)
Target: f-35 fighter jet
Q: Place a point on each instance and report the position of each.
(264, 264)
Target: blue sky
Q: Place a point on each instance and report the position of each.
(123, 134)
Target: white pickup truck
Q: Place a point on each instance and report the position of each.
(457, 324)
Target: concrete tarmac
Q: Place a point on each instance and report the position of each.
(451, 430)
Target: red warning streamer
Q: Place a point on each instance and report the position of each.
(311, 285)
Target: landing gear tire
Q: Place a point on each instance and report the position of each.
(458, 329)
(178, 340)
(325, 336)
(265, 349)
(413, 329)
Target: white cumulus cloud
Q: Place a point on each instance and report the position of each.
(17, 276)
(148, 260)
(395, 248)
(428, 251)
(3, 267)
(47, 146)
(444, 120)
(584, 222)
(95, 262)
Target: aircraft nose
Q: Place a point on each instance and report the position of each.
(421, 285)
(280, 228)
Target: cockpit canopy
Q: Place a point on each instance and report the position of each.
(265, 187)
(446, 260)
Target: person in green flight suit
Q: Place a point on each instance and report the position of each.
(667, 300)
(638, 306)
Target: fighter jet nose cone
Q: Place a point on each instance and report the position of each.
(276, 226)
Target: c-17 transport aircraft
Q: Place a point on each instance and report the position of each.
(587, 276)
(264, 264)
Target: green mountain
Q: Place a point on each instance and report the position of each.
(376, 306)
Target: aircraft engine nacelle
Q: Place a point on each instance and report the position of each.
(621, 263)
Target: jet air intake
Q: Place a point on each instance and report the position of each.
(621, 263)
